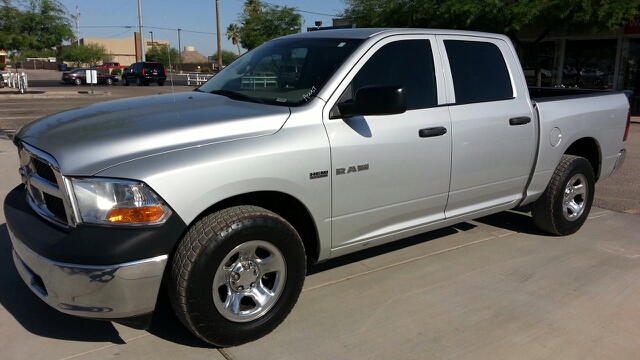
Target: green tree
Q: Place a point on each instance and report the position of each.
(502, 16)
(80, 55)
(227, 57)
(37, 25)
(233, 34)
(252, 7)
(163, 54)
(261, 23)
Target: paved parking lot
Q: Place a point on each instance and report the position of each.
(495, 288)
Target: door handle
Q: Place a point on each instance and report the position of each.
(433, 131)
(519, 120)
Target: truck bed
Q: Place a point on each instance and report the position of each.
(541, 94)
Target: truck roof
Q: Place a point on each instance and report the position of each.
(365, 33)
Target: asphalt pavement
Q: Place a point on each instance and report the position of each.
(494, 288)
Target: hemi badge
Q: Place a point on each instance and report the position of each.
(318, 174)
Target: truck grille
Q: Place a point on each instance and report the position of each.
(44, 185)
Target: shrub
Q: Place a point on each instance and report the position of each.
(116, 71)
(2, 67)
(205, 70)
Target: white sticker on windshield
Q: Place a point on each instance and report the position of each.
(342, 44)
(281, 100)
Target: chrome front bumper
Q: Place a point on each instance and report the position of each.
(99, 292)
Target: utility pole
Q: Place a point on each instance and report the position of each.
(179, 53)
(218, 32)
(142, 57)
(77, 18)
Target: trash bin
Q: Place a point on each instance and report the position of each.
(62, 67)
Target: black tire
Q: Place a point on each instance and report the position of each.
(207, 275)
(125, 82)
(160, 83)
(109, 81)
(77, 81)
(138, 82)
(566, 202)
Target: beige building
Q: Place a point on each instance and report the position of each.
(125, 51)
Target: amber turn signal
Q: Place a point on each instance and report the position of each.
(146, 214)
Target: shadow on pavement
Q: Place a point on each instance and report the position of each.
(518, 220)
(386, 248)
(37, 317)
(166, 325)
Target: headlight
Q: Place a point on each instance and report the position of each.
(117, 202)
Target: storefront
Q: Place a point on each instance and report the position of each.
(608, 60)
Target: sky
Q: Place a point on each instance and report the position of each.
(196, 18)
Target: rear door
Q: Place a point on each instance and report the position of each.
(494, 135)
(388, 177)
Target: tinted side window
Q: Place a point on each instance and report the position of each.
(157, 67)
(479, 72)
(408, 63)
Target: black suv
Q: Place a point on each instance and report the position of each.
(143, 73)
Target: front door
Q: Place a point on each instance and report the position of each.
(389, 178)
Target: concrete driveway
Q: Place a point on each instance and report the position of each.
(489, 289)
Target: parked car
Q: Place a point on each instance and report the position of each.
(226, 194)
(530, 72)
(79, 76)
(111, 65)
(592, 76)
(143, 73)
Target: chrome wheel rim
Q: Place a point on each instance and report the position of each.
(575, 197)
(249, 281)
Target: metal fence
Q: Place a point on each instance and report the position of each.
(262, 81)
(198, 79)
(17, 81)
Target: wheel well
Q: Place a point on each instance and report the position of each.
(288, 207)
(589, 149)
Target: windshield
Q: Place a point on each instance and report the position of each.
(286, 72)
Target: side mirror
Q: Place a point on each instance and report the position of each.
(374, 100)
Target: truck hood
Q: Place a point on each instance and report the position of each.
(87, 140)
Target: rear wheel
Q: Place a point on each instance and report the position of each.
(237, 274)
(77, 81)
(109, 81)
(565, 204)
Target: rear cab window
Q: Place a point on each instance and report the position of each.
(479, 72)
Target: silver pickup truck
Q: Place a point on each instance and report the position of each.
(226, 194)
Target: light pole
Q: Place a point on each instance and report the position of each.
(77, 18)
(218, 31)
(142, 57)
(152, 43)
(179, 53)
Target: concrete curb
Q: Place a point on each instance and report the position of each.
(35, 94)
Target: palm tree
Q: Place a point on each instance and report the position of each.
(233, 31)
(252, 7)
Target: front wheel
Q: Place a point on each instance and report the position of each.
(109, 81)
(237, 274)
(125, 82)
(565, 204)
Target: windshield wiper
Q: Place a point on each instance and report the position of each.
(197, 90)
(236, 95)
